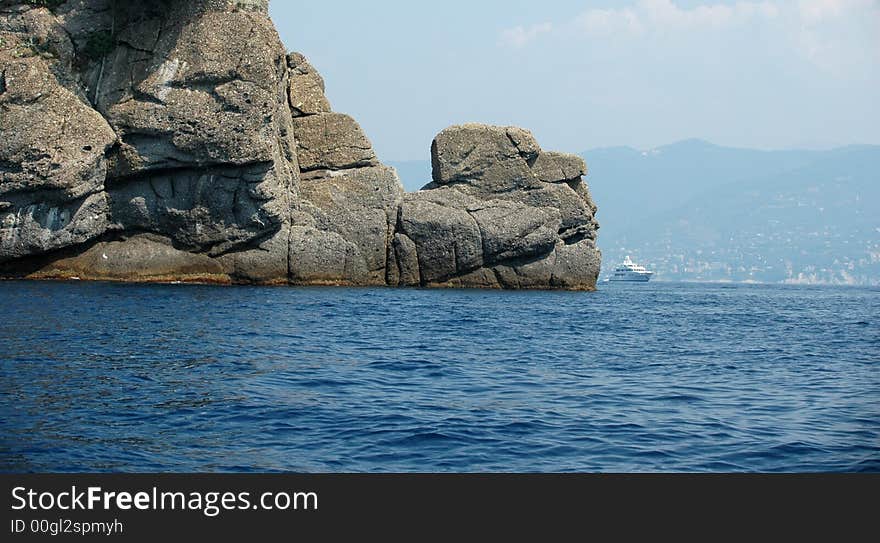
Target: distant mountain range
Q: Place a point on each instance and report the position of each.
(697, 211)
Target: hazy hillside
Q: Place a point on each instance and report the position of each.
(631, 184)
(697, 211)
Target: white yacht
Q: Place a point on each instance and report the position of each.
(631, 272)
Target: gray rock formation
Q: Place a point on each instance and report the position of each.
(172, 140)
(347, 201)
(53, 145)
(500, 213)
(161, 117)
(306, 88)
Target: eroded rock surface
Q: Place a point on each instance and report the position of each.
(171, 140)
(162, 117)
(347, 200)
(53, 144)
(502, 213)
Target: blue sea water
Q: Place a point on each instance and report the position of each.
(656, 377)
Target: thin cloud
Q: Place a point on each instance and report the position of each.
(662, 15)
(814, 11)
(520, 36)
(607, 22)
(836, 36)
(645, 16)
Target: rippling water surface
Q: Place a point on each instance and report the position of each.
(658, 377)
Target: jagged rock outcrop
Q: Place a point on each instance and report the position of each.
(347, 200)
(53, 144)
(499, 213)
(162, 117)
(171, 140)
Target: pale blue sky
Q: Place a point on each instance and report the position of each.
(584, 74)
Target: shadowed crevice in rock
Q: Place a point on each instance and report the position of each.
(212, 210)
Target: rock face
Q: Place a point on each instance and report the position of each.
(171, 140)
(347, 200)
(53, 144)
(500, 213)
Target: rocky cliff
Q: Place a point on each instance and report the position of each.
(171, 140)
